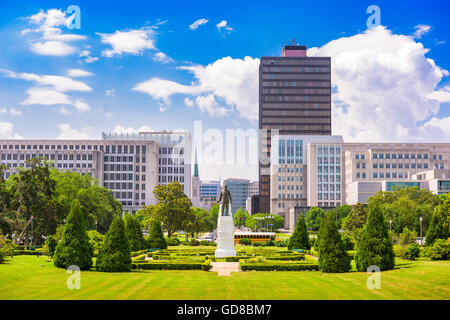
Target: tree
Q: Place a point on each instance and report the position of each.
(6, 248)
(254, 224)
(95, 239)
(407, 236)
(6, 225)
(354, 223)
(156, 237)
(413, 251)
(313, 217)
(299, 238)
(74, 247)
(50, 244)
(240, 217)
(114, 254)
(444, 209)
(214, 215)
(332, 254)
(436, 230)
(173, 206)
(197, 221)
(134, 233)
(375, 247)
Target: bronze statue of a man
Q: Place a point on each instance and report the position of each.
(225, 200)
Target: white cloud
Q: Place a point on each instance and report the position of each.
(189, 102)
(68, 133)
(233, 80)
(384, 82)
(197, 24)
(442, 95)
(86, 54)
(209, 104)
(81, 106)
(78, 73)
(122, 130)
(223, 25)
(51, 41)
(110, 93)
(421, 30)
(162, 57)
(132, 42)
(7, 131)
(11, 111)
(52, 48)
(45, 97)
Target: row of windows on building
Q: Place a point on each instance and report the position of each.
(128, 195)
(328, 169)
(108, 148)
(123, 159)
(118, 149)
(58, 165)
(328, 196)
(403, 165)
(171, 150)
(124, 186)
(328, 187)
(290, 170)
(290, 187)
(401, 156)
(296, 84)
(171, 170)
(289, 178)
(296, 91)
(124, 167)
(329, 178)
(387, 175)
(302, 98)
(171, 161)
(296, 69)
(296, 77)
(290, 196)
(52, 156)
(167, 179)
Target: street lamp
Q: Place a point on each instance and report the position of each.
(390, 225)
(421, 239)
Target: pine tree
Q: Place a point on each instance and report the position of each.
(332, 254)
(299, 239)
(134, 233)
(156, 236)
(436, 230)
(114, 255)
(375, 247)
(74, 247)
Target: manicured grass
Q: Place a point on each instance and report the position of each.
(24, 278)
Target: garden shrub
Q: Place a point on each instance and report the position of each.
(246, 242)
(436, 229)
(256, 244)
(407, 236)
(138, 253)
(139, 258)
(282, 243)
(332, 254)
(74, 247)
(254, 264)
(194, 243)
(156, 237)
(348, 242)
(439, 251)
(399, 250)
(172, 265)
(114, 255)
(412, 252)
(50, 245)
(133, 231)
(375, 247)
(173, 241)
(204, 243)
(6, 248)
(299, 238)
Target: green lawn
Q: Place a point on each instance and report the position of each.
(29, 277)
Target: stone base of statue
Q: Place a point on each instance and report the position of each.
(225, 237)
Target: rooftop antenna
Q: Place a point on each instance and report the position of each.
(293, 41)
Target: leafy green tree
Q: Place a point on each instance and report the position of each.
(134, 234)
(114, 254)
(74, 247)
(197, 221)
(50, 244)
(332, 254)
(436, 230)
(6, 225)
(444, 209)
(375, 247)
(95, 239)
(299, 238)
(214, 215)
(173, 206)
(156, 237)
(347, 241)
(313, 217)
(276, 220)
(240, 217)
(407, 236)
(6, 248)
(354, 223)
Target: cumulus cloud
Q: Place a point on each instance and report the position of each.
(78, 73)
(49, 38)
(383, 84)
(421, 29)
(69, 133)
(162, 57)
(7, 131)
(233, 80)
(11, 111)
(132, 41)
(223, 25)
(197, 24)
(189, 102)
(209, 104)
(86, 56)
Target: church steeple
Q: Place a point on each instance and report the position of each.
(196, 164)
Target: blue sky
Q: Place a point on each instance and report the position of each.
(148, 68)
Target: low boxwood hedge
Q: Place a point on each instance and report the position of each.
(27, 252)
(171, 265)
(277, 266)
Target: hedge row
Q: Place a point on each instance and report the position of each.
(139, 258)
(138, 253)
(171, 265)
(261, 266)
(27, 252)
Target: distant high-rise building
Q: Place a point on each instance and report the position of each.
(239, 193)
(294, 99)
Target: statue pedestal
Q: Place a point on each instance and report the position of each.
(225, 237)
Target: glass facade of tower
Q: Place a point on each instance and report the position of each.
(294, 99)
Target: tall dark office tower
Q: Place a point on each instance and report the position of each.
(294, 98)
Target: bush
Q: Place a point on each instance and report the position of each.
(407, 236)
(436, 230)
(254, 264)
(246, 242)
(399, 250)
(114, 255)
(194, 243)
(413, 252)
(50, 245)
(156, 237)
(139, 258)
(204, 243)
(348, 242)
(138, 253)
(332, 254)
(439, 251)
(172, 265)
(133, 231)
(282, 243)
(74, 247)
(375, 247)
(95, 238)
(299, 239)
(173, 241)
(6, 248)
(256, 244)
(269, 243)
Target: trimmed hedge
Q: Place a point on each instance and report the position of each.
(171, 265)
(278, 266)
(138, 258)
(138, 253)
(27, 252)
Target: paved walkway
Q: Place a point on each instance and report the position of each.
(225, 268)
